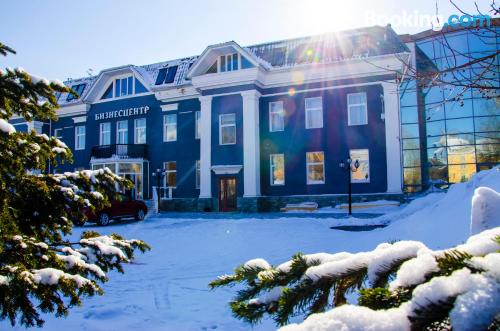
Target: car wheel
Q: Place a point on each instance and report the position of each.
(139, 216)
(103, 219)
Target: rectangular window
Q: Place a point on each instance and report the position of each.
(122, 132)
(362, 174)
(170, 127)
(277, 162)
(197, 124)
(140, 131)
(228, 62)
(79, 137)
(124, 86)
(314, 113)
(58, 133)
(105, 133)
(276, 116)
(198, 174)
(315, 164)
(357, 113)
(227, 129)
(170, 179)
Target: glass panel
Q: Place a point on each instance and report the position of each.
(437, 156)
(482, 41)
(459, 125)
(411, 143)
(461, 173)
(461, 154)
(228, 135)
(488, 153)
(123, 90)
(436, 141)
(410, 130)
(197, 124)
(362, 173)
(228, 119)
(129, 85)
(235, 61)
(487, 124)
(460, 139)
(436, 128)
(276, 116)
(438, 174)
(409, 115)
(313, 157)
(223, 63)
(131, 168)
(433, 94)
(315, 174)
(117, 88)
(486, 107)
(434, 112)
(456, 109)
(412, 176)
(456, 43)
(411, 158)
(487, 137)
(427, 48)
(356, 98)
(314, 118)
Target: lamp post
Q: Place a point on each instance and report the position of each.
(158, 173)
(349, 168)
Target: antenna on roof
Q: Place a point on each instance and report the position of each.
(90, 71)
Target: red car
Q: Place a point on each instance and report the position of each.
(123, 208)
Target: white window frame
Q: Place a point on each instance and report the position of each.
(271, 168)
(308, 110)
(102, 132)
(197, 169)
(58, 133)
(136, 128)
(118, 131)
(360, 181)
(122, 79)
(166, 125)
(226, 56)
(315, 163)
(168, 172)
(227, 125)
(349, 105)
(271, 112)
(78, 135)
(197, 122)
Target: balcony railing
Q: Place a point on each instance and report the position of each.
(120, 151)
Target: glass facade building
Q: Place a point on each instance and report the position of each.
(449, 132)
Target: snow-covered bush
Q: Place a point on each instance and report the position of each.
(40, 270)
(401, 286)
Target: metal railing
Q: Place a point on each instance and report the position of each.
(120, 150)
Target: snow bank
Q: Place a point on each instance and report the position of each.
(485, 213)
(6, 127)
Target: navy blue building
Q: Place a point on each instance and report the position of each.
(245, 128)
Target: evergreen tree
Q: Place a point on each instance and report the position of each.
(40, 269)
(401, 286)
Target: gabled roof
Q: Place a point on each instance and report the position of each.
(212, 52)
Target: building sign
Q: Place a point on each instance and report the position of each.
(122, 113)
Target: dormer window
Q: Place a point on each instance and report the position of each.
(78, 89)
(166, 75)
(229, 62)
(124, 86)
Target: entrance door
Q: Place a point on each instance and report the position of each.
(227, 194)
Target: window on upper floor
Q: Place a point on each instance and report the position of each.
(122, 132)
(315, 167)
(229, 62)
(357, 113)
(276, 116)
(227, 129)
(140, 131)
(105, 133)
(166, 75)
(121, 87)
(277, 165)
(197, 115)
(170, 127)
(362, 173)
(79, 88)
(314, 113)
(79, 137)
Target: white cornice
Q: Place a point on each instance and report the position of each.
(226, 169)
(79, 109)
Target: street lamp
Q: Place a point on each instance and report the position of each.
(159, 174)
(349, 168)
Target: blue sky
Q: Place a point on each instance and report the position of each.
(63, 39)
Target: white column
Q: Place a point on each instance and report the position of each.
(251, 143)
(205, 147)
(392, 138)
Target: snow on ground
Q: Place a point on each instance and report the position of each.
(166, 289)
